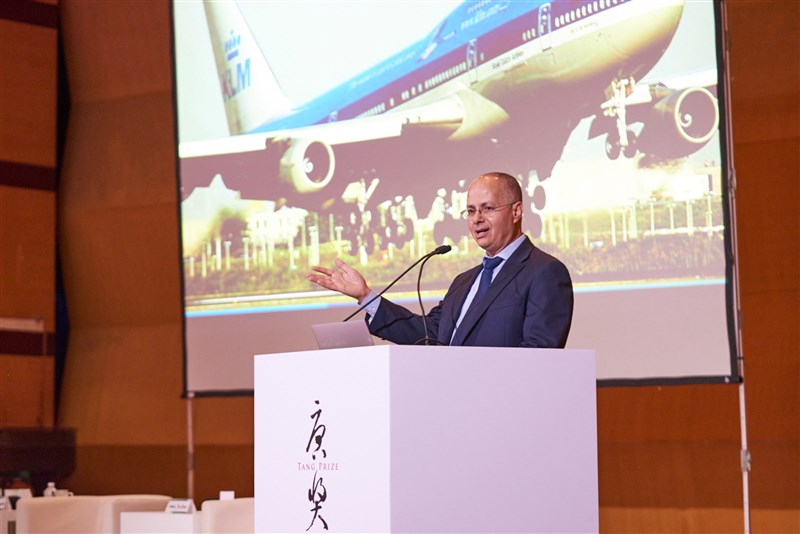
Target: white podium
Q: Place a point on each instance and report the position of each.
(426, 439)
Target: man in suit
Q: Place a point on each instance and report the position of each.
(519, 297)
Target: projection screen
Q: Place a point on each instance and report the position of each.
(309, 131)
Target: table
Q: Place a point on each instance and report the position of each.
(7, 521)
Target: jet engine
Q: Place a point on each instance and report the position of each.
(307, 165)
(679, 123)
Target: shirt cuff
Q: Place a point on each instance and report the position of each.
(372, 308)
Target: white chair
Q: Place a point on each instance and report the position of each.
(81, 514)
(228, 516)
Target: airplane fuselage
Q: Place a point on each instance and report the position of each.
(504, 51)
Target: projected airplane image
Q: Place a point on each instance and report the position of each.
(383, 160)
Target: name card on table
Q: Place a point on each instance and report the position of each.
(18, 492)
(180, 506)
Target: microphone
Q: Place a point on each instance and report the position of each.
(442, 249)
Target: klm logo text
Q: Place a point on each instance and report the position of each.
(232, 87)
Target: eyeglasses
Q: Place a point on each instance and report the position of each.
(486, 211)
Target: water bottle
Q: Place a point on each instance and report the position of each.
(50, 490)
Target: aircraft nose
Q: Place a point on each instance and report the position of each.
(653, 28)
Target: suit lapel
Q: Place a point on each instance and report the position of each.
(453, 308)
(509, 271)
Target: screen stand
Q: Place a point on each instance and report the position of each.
(189, 446)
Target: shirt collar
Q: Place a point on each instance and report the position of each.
(510, 248)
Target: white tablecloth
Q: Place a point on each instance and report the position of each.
(81, 514)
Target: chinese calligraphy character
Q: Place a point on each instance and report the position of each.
(317, 433)
(317, 495)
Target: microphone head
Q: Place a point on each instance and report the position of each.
(443, 249)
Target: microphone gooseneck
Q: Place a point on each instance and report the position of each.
(427, 340)
(442, 249)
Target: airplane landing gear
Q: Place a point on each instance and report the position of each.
(614, 146)
(622, 139)
(630, 150)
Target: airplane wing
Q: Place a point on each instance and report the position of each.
(446, 115)
(305, 157)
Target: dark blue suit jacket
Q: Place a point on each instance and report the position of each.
(529, 304)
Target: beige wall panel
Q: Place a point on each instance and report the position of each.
(123, 386)
(130, 469)
(119, 469)
(696, 520)
(764, 36)
(120, 153)
(679, 472)
(116, 49)
(28, 55)
(224, 467)
(26, 391)
(119, 219)
(762, 120)
(118, 225)
(775, 479)
(121, 266)
(224, 420)
(772, 370)
(27, 254)
(667, 413)
(769, 251)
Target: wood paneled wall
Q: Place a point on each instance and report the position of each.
(669, 457)
(29, 59)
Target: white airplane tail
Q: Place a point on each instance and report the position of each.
(251, 93)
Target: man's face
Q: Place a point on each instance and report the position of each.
(492, 232)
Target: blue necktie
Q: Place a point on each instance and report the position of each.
(489, 265)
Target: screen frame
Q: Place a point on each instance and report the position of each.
(729, 235)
